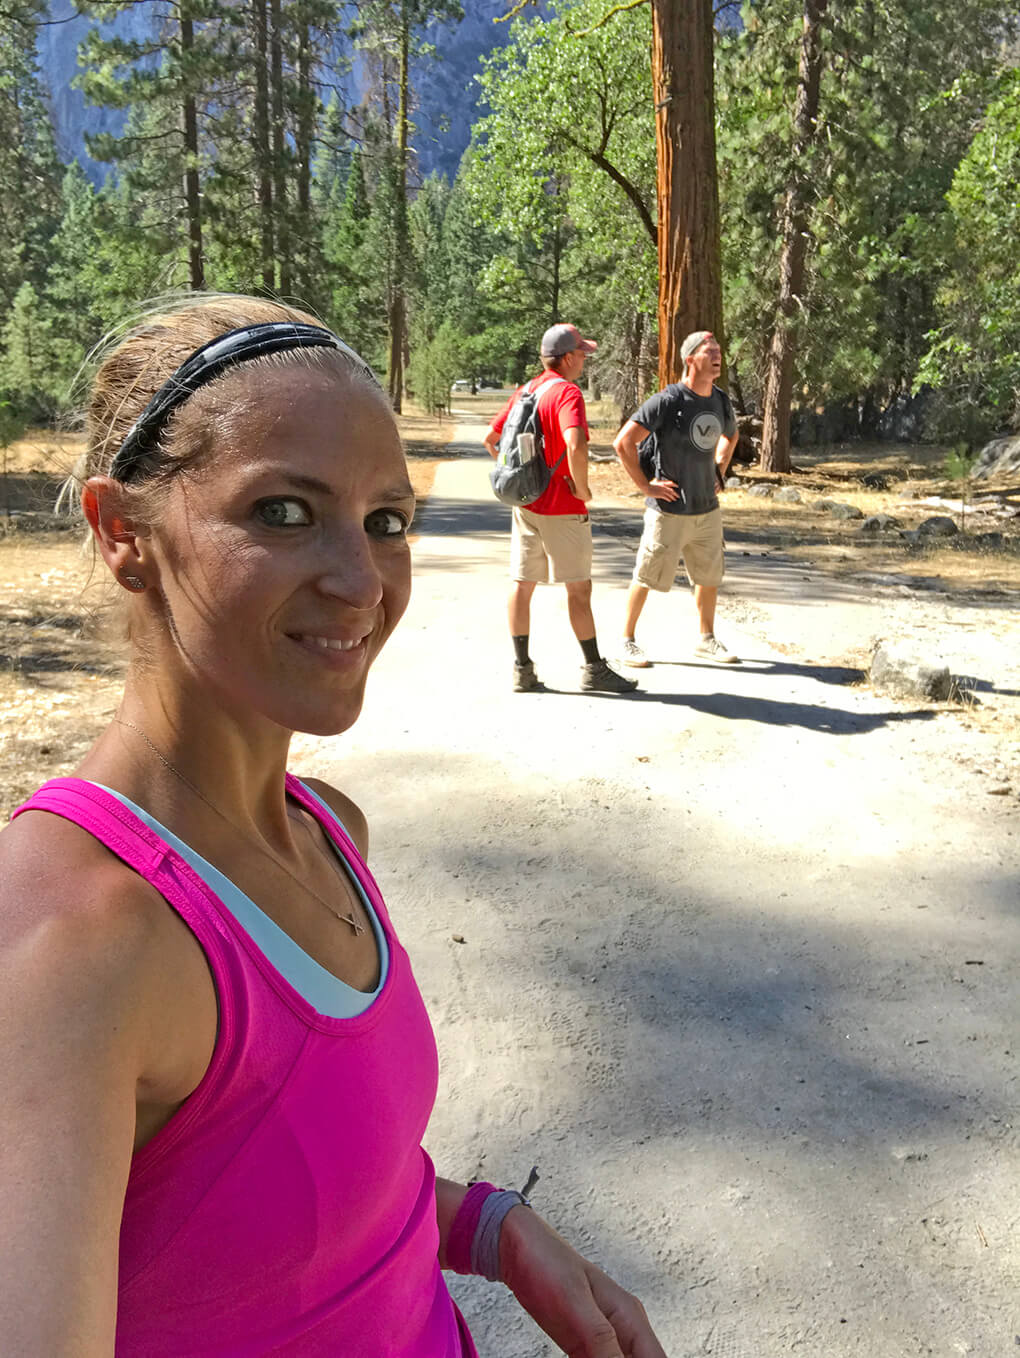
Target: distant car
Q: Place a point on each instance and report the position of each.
(461, 384)
(487, 385)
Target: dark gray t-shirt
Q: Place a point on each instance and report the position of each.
(685, 429)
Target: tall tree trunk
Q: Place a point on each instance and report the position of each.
(398, 306)
(775, 437)
(690, 269)
(277, 102)
(557, 249)
(260, 136)
(192, 191)
(303, 150)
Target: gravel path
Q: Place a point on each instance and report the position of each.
(734, 961)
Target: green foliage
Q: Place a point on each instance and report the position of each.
(29, 169)
(435, 365)
(31, 362)
(974, 358)
(561, 173)
(900, 89)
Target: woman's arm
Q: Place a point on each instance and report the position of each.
(81, 954)
(577, 1305)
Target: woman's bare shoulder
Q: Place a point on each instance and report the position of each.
(78, 921)
(348, 812)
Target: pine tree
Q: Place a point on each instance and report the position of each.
(168, 79)
(29, 168)
(390, 29)
(29, 364)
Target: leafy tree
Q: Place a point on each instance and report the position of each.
(563, 171)
(974, 358)
(873, 175)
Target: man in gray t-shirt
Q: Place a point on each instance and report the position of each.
(676, 448)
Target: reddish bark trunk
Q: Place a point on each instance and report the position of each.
(690, 269)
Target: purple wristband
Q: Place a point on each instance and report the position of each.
(465, 1223)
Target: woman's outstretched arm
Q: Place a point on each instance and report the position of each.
(577, 1305)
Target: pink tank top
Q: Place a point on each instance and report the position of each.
(288, 1206)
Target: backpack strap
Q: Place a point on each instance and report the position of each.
(538, 396)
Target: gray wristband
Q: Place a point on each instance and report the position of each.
(485, 1245)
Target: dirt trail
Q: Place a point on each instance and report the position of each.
(733, 962)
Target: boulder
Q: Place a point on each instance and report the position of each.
(761, 489)
(902, 670)
(990, 542)
(825, 505)
(875, 481)
(879, 523)
(1001, 457)
(733, 483)
(938, 526)
(788, 495)
(843, 511)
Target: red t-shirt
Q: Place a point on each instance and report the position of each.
(560, 409)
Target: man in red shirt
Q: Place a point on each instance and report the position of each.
(550, 540)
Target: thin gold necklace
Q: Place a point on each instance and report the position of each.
(350, 918)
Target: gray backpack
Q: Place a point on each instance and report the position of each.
(521, 473)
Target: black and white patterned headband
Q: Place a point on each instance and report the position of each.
(237, 346)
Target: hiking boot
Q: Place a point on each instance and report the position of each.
(633, 655)
(710, 648)
(597, 677)
(525, 678)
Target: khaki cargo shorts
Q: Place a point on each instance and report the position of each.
(550, 549)
(698, 538)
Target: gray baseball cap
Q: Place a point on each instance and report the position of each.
(693, 343)
(564, 339)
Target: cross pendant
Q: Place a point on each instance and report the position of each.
(355, 923)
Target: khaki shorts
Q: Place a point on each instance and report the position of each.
(553, 549)
(696, 537)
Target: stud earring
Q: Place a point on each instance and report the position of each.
(133, 582)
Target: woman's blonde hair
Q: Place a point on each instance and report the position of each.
(134, 366)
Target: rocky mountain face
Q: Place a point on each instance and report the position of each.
(445, 91)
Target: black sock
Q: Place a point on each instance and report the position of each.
(591, 651)
(521, 649)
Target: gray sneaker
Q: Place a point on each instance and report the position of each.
(597, 677)
(710, 648)
(525, 678)
(632, 654)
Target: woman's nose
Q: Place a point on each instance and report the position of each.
(350, 571)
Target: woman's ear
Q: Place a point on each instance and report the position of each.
(104, 505)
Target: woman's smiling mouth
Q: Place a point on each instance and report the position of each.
(335, 645)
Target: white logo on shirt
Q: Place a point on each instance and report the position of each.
(705, 431)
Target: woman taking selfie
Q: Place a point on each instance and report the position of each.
(217, 1068)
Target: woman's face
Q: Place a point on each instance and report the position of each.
(283, 554)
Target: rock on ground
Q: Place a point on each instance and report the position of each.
(998, 458)
(878, 523)
(938, 526)
(903, 671)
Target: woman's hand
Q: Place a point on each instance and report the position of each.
(578, 1306)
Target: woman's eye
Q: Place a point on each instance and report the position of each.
(387, 523)
(282, 513)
